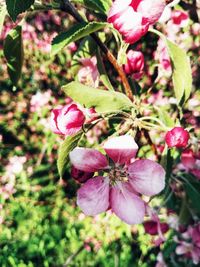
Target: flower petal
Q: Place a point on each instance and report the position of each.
(121, 149)
(146, 177)
(126, 205)
(93, 196)
(88, 159)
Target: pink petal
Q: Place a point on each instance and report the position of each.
(126, 205)
(117, 7)
(70, 119)
(93, 196)
(146, 177)
(151, 10)
(88, 159)
(121, 149)
(54, 120)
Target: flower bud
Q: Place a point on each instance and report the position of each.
(134, 64)
(151, 227)
(66, 120)
(133, 18)
(180, 18)
(177, 137)
(81, 176)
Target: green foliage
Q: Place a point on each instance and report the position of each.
(14, 54)
(182, 73)
(192, 189)
(101, 6)
(101, 100)
(15, 7)
(75, 33)
(63, 154)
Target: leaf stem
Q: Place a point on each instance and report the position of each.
(69, 8)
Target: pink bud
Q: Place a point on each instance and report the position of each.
(180, 18)
(151, 227)
(135, 63)
(177, 137)
(133, 18)
(81, 176)
(66, 120)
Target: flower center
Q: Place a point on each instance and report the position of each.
(118, 173)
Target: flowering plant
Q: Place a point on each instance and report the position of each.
(111, 95)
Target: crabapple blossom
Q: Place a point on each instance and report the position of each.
(191, 162)
(189, 243)
(180, 18)
(66, 120)
(134, 64)
(177, 137)
(123, 182)
(132, 18)
(88, 73)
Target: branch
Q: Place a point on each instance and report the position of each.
(69, 8)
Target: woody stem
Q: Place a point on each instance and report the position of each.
(69, 8)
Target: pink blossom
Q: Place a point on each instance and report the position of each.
(189, 243)
(66, 120)
(191, 162)
(177, 137)
(39, 100)
(123, 183)
(162, 55)
(180, 18)
(132, 18)
(88, 73)
(135, 64)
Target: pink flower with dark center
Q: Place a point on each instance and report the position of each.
(123, 182)
(135, 64)
(180, 18)
(66, 120)
(177, 137)
(132, 18)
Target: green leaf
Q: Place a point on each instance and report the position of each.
(101, 100)
(182, 73)
(3, 13)
(192, 188)
(98, 5)
(75, 33)
(65, 148)
(181, 67)
(15, 7)
(13, 51)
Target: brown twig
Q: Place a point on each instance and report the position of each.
(69, 8)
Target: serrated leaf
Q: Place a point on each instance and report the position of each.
(98, 5)
(101, 100)
(181, 69)
(13, 51)
(182, 73)
(15, 7)
(75, 33)
(65, 148)
(3, 13)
